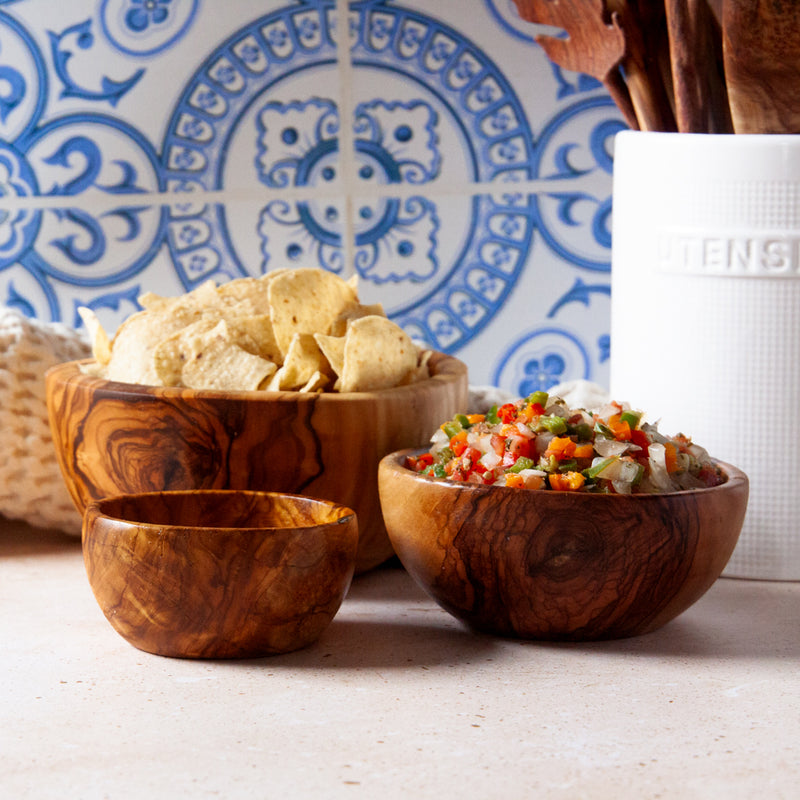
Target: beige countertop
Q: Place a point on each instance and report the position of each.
(396, 700)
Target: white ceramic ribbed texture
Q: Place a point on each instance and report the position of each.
(705, 314)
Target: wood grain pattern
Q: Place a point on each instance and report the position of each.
(114, 438)
(761, 48)
(701, 95)
(219, 574)
(594, 45)
(554, 565)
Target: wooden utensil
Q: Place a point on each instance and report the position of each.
(761, 48)
(646, 63)
(695, 46)
(594, 47)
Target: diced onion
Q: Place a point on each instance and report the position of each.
(609, 447)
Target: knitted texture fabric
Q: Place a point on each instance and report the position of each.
(31, 486)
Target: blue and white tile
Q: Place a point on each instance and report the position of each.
(150, 145)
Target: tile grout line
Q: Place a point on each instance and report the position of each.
(396, 190)
(344, 66)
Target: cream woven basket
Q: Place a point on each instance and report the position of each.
(31, 486)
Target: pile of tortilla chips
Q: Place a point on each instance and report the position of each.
(290, 330)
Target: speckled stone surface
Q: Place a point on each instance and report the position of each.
(396, 699)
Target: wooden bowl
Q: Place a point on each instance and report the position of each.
(560, 565)
(117, 438)
(219, 574)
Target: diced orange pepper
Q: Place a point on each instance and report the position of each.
(458, 443)
(474, 419)
(514, 480)
(585, 450)
(671, 457)
(565, 481)
(525, 413)
(561, 447)
(620, 428)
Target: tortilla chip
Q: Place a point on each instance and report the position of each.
(101, 344)
(421, 372)
(339, 325)
(150, 301)
(258, 329)
(289, 330)
(303, 360)
(248, 296)
(378, 354)
(306, 301)
(137, 338)
(332, 347)
(169, 355)
(209, 358)
(316, 383)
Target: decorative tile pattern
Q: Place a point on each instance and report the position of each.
(154, 144)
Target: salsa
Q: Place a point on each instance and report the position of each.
(539, 443)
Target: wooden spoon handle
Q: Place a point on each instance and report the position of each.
(695, 44)
(641, 63)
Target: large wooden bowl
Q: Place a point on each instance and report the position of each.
(220, 574)
(560, 565)
(117, 438)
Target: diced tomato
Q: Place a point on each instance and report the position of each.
(419, 463)
(639, 437)
(469, 458)
(710, 476)
(518, 446)
(458, 443)
(507, 412)
(498, 444)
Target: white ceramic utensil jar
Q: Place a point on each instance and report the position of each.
(705, 313)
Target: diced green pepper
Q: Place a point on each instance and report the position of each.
(523, 462)
(439, 471)
(539, 398)
(631, 417)
(463, 421)
(452, 428)
(593, 472)
(583, 432)
(491, 416)
(568, 466)
(444, 455)
(554, 424)
(601, 429)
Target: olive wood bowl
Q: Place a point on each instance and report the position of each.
(219, 574)
(560, 565)
(117, 438)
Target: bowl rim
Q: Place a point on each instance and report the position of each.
(735, 478)
(95, 511)
(449, 370)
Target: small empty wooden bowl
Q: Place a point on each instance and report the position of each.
(119, 438)
(219, 574)
(560, 565)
